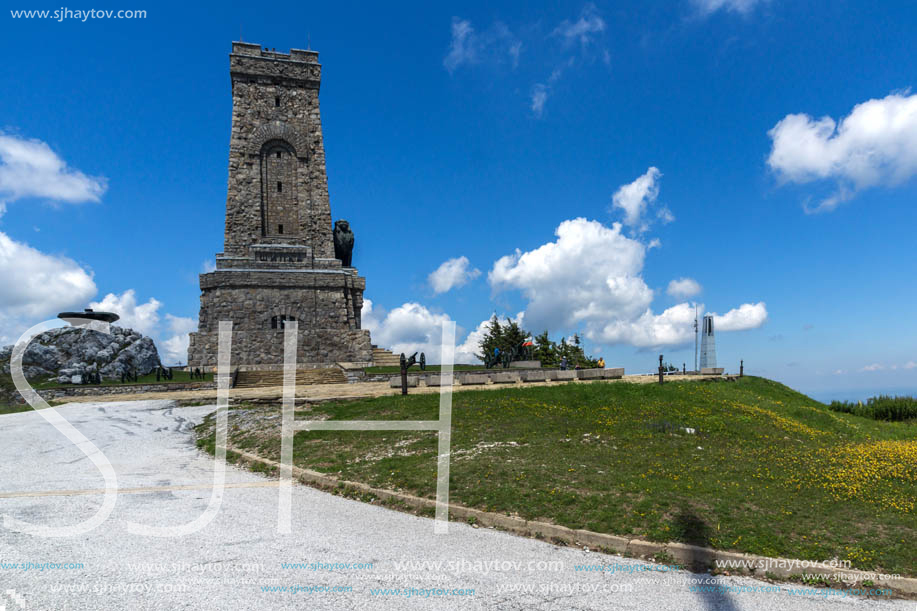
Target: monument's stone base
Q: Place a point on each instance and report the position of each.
(325, 304)
(263, 349)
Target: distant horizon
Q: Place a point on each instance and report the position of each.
(826, 396)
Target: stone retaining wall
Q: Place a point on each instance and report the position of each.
(507, 377)
(49, 394)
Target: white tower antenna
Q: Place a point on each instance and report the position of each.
(707, 344)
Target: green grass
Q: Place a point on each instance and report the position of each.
(769, 471)
(892, 409)
(14, 409)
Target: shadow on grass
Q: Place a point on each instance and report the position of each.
(692, 529)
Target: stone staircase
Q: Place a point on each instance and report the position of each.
(385, 358)
(304, 377)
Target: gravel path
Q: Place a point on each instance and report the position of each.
(230, 563)
(344, 391)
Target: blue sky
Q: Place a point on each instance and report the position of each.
(476, 129)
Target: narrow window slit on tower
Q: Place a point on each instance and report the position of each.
(279, 186)
(278, 154)
(277, 101)
(280, 229)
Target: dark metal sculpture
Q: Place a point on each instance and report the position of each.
(87, 315)
(343, 242)
(407, 363)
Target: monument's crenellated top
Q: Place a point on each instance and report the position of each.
(249, 60)
(255, 50)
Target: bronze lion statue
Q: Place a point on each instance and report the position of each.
(343, 242)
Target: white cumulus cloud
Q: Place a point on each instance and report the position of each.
(672, 327)
(174, 349)
(29, 168)
(590, 279)
(875, 145)
(635, 197)
(37, 286)
(411, 327)
(747, 316)
(683, 288)
(467, 351)
(452, 273)
(170, 335)
(143, 318)
(589, 273)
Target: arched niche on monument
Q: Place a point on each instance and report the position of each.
(279, 185)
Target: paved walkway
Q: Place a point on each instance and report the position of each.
(234, 561)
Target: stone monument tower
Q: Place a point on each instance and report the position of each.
(278, 262)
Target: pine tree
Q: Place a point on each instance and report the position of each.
(513, 336)
(493, 339)
(545, 350)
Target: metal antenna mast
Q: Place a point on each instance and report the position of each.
(695, 338)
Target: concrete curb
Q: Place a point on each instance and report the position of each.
(699, 559)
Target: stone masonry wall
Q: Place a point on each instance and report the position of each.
(263, 349)
(250, 299)
(49, 394)
(259, 80)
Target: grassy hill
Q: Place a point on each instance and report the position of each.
(766, 470)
